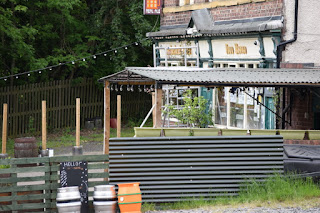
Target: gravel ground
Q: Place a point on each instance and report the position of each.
(89, 148)
(246, 210)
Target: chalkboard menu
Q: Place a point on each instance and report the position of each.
(76, 174)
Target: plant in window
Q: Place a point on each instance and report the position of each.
(193, 112)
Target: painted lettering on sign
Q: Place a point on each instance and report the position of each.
(178, 51)
(236, 49)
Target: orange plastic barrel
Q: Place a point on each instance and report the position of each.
(129, 197)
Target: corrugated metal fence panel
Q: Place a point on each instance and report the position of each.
(176, 168)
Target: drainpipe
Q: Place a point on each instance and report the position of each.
(279, 52)
(295, 35)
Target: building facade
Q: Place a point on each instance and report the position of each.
(220, 34)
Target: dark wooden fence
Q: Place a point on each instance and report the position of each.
(24, 104)
(34, 188)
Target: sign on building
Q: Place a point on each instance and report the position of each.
(152, 7)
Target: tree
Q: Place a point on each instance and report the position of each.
(43, 33)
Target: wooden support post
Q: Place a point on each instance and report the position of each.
(228, 107)
(119, 116)
(106, 118)
(154, 109)
(4, 128)
(158, 107)
(44, 125)
(78, 122)
(245, 110)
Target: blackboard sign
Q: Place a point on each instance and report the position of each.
(76, 174)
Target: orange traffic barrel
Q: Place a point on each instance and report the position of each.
(129, 197)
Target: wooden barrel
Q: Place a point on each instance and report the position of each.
(129, 197)
(25, 147)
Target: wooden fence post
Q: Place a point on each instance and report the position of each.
(4, 128)
(78, 122)
(154, 109)
(44, 125)
(106, 117)
(118, 116)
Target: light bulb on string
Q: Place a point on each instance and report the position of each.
(139, 88)
(50, 68)
(73, 62)
(116, 88)
(151, 88)
(105, 54)
(28, 74)
(121, 89)
(17, 77)
(136, 43)
(40, 72)
(145, 88)
(126, 48)
(111, 87)
(128, 87)
(132, 88)
(94, 57)
(115, 51)
(84, 59)
(5, 79)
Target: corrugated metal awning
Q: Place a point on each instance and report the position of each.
(215, 77)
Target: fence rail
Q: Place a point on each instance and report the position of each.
(34, 187)
(24, 104)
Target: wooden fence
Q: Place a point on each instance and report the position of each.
(34, 188)
(24, 104)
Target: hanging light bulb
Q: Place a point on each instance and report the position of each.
(151, 88)
(83, 59)
(28, 74)
(17, 76)
(105, 54)
(94, 57)
(111, 87)
(145, 88)
(132, 88)
(5, 79)
(116, 88)
(128, 87)
(136, 43)
(50, 68)
(40, 72)
(121, 89)
(115, 51)
(139, 88)
(72, 62)
(126, 48)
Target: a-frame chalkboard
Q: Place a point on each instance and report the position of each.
(76, 174)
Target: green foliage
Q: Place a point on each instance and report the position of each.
(40, 33)
(193, 112)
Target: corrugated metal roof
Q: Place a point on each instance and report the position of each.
(221, 76)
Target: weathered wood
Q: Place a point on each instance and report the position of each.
(4, 128)
(106, 117)
(44, 125)
(158, 107)
(119, 116)
(78, 122)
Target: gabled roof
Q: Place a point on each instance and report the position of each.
(203, 22)
(215, 77)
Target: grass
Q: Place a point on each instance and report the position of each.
(285, 190)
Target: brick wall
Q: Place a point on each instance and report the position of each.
(241, 11)
(302, 115)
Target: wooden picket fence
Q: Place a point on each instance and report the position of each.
(34, 188)
(24, 104)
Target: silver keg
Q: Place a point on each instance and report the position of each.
(104, 199)
(68, 199)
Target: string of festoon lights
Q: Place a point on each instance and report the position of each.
(94, 56)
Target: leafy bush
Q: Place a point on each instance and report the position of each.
(193, 112)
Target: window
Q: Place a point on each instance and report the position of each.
(186, 2)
